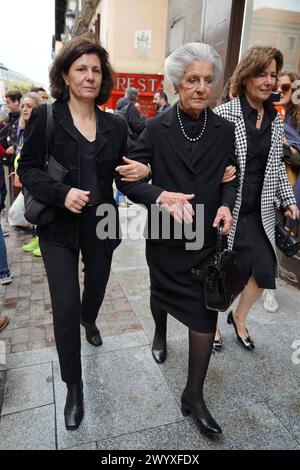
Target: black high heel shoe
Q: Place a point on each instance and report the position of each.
(74, 406)
(217, 344)
(206, 424)
(159, 353)
(247, 343)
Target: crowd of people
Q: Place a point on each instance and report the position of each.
(230, 159)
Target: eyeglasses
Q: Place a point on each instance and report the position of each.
(285, 87)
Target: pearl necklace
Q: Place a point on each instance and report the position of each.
(190, 139)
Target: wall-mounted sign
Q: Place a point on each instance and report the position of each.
(142, 40)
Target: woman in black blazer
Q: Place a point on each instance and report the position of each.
(188, 148)
(89, 144)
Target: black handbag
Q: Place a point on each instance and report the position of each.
(223, 280)
(285, 241)
(36, 212)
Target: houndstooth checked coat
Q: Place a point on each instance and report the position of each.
(276, 186)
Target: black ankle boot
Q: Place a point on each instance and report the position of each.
(206, 422)
(74, 405)
(92, 333)
(159, 349)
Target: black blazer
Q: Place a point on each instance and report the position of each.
(164, 147)
(110, 146)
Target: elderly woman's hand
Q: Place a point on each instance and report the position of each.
(133, 171)
(292, 212)
(178, 205)
(76, 199)
(225, 215)
(229, 174)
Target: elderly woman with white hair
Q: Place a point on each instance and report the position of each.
(188, 148)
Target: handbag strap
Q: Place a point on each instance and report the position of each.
(49, 133)
(219, 244)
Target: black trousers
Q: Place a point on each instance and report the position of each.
(63, 278)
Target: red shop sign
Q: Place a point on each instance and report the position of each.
(146, 84)
(142, 82)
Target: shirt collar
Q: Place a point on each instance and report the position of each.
(247, 108)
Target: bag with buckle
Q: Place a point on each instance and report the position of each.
(223, 280)
(36, 212)
(284, 238)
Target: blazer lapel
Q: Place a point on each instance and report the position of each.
(103, 127)
(240, 133)
(174, 137)
(62, 109)
(272, 151)
(103, 135)
(210, 135)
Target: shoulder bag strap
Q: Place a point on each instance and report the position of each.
(50, 133)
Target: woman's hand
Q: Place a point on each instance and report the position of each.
(10, 150)
(225, 215)
(229, 174)
(292, 212)
(178, 205)
(133, 171)
(76, 199)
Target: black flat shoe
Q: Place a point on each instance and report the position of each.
(74, 406)
(92, 333)
(206, 424)
(247, 343)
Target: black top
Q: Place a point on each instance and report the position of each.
(192, 127)
(258, 148)
(164, 147)
(88, 172)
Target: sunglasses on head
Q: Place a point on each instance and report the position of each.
(285, 87)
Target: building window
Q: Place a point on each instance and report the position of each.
(291, 43)
(273, 22)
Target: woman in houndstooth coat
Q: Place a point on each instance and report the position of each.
(262, 178)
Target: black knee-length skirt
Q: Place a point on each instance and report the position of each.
(254, 251)
(173, 287)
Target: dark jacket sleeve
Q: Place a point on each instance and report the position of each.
(31, 164)
(135, 120)
(229, 190)
(140, 191)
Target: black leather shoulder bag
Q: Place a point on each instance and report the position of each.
(223, 280)
(36, 212)
(285, 239)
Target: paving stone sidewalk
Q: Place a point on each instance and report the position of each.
(130, 401)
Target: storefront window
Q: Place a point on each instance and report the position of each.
(274, 23)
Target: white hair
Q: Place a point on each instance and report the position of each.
(188, 53)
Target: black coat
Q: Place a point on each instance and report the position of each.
(110, 146)
(164, 147)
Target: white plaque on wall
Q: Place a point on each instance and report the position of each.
(142, 40)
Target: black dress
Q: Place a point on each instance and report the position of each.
(172, 286)
(255, 253)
